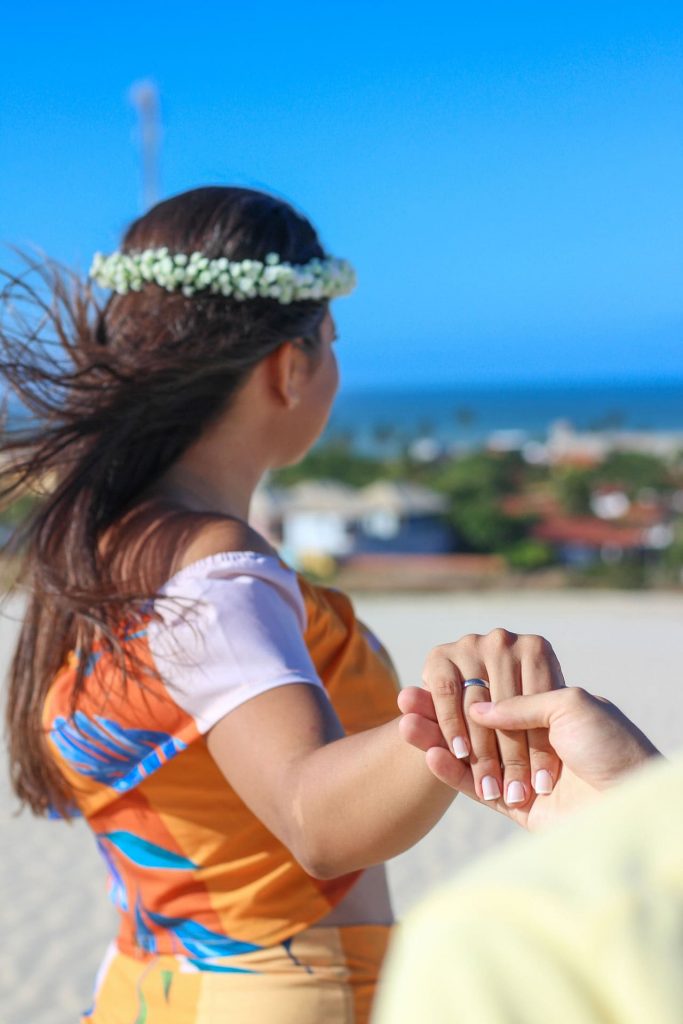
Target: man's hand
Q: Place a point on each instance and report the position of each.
(594, 741)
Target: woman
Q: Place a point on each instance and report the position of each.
(228, 730)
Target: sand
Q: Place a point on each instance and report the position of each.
(55, 919)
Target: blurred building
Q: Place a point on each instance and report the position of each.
(565, 445)
(324, 517)
(583, 540)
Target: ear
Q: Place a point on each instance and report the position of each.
(288, 371)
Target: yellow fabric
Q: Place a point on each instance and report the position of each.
(578, 926)
(323, 975)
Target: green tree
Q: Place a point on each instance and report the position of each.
(634, 471)
(335, 460)
(482, 526)
(479, 473)
(673, 556)
(529, 554)
(628, 574)
(475, 485)
(573, 488)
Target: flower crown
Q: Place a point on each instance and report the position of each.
(241, 279)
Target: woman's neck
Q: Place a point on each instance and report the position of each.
(195, 494)
(217, 474)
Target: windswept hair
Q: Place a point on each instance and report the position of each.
(116, 392)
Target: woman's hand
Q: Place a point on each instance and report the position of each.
(593, 739)
(514, 764)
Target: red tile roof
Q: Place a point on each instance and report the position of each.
(589, 532)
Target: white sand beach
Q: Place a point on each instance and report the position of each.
(54, 916)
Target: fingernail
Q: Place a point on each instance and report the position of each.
(543, 782)
(483, 707)
(490, 788)
(460, 747)
(515, 793)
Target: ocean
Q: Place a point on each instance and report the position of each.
(376, 417)
(469, 415)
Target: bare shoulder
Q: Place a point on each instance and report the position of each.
(155, 540)
(215, 536)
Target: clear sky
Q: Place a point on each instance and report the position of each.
(507, 177)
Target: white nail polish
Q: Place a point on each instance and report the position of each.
(460, 747)
(490, 788)
(543, 782)
(515, 793)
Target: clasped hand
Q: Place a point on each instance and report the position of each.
(527, 745)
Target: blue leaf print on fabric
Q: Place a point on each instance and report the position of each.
(93, 658)
(198, 940)
(146, 854)
(117, 887)
(108, 752)
(144, 936)
(287, 945)
(136, 634)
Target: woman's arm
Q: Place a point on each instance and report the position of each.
(229, 641)
(238, 662)
(338, 803)
(343, 803)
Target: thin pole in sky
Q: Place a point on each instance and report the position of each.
(144, 95)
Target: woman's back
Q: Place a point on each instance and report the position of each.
(191, 868)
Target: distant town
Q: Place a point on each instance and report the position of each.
(601, 508)
(595, 508)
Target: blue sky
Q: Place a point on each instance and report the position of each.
(506, 177)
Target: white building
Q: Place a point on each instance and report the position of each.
(323, 517)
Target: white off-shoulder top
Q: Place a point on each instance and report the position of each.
(231, 627)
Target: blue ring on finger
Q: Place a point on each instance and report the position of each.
(475, 682)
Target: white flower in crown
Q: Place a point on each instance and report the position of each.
(271, 278)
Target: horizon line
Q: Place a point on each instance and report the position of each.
(510, 384)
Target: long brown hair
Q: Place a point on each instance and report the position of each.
(116, 393)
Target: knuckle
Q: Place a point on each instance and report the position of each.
(437, 656)
(542, 758)
(516, 764)
(577, 697)
(537, 647)
(485, 763)
(432, 657)
(468, 642)
(448, 719)
(443, 686)
(539, 745)
(500, 639)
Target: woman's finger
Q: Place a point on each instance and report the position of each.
(419, 727)
(445, 768)
(500, 648)
(541, 674)
(419, 716)
(442, 678)
(485, 756)
(450, 664)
